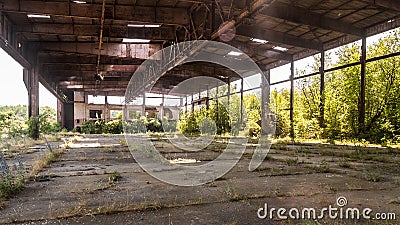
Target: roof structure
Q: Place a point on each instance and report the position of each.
(61, 38)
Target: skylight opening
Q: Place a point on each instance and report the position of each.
(134, 40)
(261, 41)
(282, 49)
(80, 2)
(233, 53)
(38, 16)
(145, 25)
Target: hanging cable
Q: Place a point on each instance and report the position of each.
(99, 76)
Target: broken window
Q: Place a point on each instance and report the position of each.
(95, 114)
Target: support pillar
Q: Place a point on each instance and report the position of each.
(291, 100)
(241, 100)
(162, 107)
(33, 92)
(144, 105)
(322, 92)
(33, 99)
(361, 104)
(106, 111)
(207, 99)
(180, 103)
(125, 114)
(60, 113)
(265, 100)
(186, 104)
(69, 111)
(217, 106)
(229, 92)
(192, 104)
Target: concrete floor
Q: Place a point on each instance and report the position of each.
(77, 188)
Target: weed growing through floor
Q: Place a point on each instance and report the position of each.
(109, 149)
(233, 195)
(278, 192)
(114, 177)
(373, 176)
(123, 142)
(346, 165)
(45, 160)
(291, 161)
(323, 167)
(11, 181)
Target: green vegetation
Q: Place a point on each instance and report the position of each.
(42, 162)
(221, 118)
(114, 177)
(14, 122)
(11, 181)
(117, 126)
(341, 97)
(342, 88)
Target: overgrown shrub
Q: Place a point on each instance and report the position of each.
(188, 124)
(47, 125)
(92, 127)
(33, 127)
(113, 127)
(169, 125)
(135, 126)
(153, 125)
(11, 124)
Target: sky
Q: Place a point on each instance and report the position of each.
(13, 91)
(12, 87)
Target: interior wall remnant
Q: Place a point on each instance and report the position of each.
(80, 102)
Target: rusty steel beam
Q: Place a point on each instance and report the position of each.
(91, 67)
(46, 84)
(144, 14)
(110, 31)
(72, 59)
(5, 45)
(252, 8)
(140, 51)
(121, 84)
(387, 4)
(277, 37)
(303, 16)
(255, 50)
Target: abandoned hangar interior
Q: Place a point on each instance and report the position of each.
(87, 48)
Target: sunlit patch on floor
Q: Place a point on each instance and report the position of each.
(183, 161)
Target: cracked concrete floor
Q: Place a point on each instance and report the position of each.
(78, 189)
